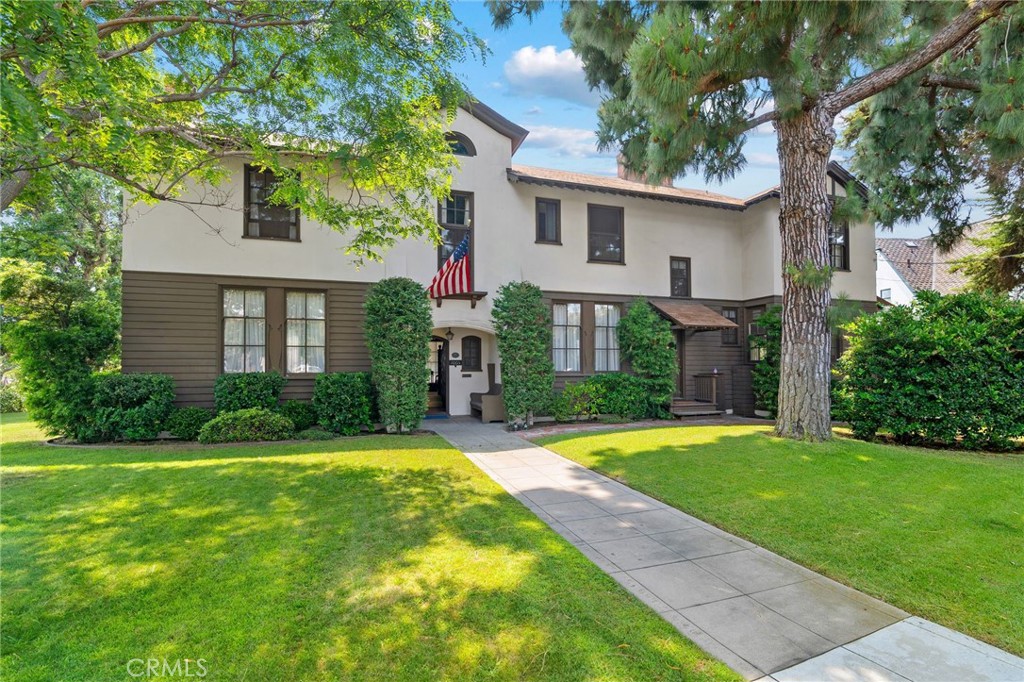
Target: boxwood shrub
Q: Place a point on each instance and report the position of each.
(130, 406)
(301, 412)
(187, 422)
(647, 343)
(315, 433)
(946, 370)
(232, 392)
(344, 402)
(624, 395)
(247, 425)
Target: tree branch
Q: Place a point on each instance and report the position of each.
(766, 117)
(936, 80)
(943, 41)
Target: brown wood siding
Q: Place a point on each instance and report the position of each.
(171, 324)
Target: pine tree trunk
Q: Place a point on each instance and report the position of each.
(805, 144)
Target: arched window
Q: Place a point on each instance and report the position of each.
(471, 354)
(461, 145)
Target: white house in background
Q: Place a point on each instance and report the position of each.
(906, 266)
(275, 290)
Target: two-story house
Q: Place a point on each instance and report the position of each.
(274, 291)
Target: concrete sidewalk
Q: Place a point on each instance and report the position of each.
(764, 616)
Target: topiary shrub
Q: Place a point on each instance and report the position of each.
(233, 392)
(10, 399)
(186, 422)
(398, 326)
(301, 412)
(131, 406)
(645, 340)
(944, 370)
(243, 426)
(623, 395)
(315, 433)
(343, 402)
(522, 325)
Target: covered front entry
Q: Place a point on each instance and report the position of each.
(704, 364)
(459, 364)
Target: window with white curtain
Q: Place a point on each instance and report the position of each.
(306, 331)
(565, 336)
(606, 337)
(245, 330)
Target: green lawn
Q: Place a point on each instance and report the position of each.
(377, 558)
(939, 534)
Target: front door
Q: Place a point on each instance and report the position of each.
(438, 386)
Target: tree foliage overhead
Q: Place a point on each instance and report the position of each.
(154, 93)
(926, 144)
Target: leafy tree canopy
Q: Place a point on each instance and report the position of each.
(153, 94)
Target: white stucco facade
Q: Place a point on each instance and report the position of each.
(735, 254)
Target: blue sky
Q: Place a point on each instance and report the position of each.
(533, 78)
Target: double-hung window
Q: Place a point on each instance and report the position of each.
(839, 245)
(264, 220)
(455, 216)
(679, 277)
(605, 234)
(549, 228)
(731, 337)
(606, 337)
(305, 332)
(565, 336)
(245, 330)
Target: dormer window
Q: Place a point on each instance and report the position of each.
(460, 144)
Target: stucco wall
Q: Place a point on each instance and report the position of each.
(887, 278)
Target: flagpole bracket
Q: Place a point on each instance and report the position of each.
(471, 296)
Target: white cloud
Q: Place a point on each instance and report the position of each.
(763, 159)
(548, 72)
(576, 143)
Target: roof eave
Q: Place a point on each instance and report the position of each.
(491, 118)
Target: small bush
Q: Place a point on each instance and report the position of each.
(765, 375)
(580, 401)
(10, 399)
(233, 392)
(301, 412)
(315, 433)
(246, 425)
(344, 402)
(623, 395)
(398, 325)
(944, 370)
(187, 422)
(131, 406)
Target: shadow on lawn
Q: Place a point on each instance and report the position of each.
(374, 564)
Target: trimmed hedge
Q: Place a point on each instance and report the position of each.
(397, 326)
(187, 422)
(522, 326)
(343, 402)
(233, 392)
(301, 412)
(945, 370)
(130, 406)
(315, 433)
(647, 343)
(242, 426)
(624, 395)
(579, 401)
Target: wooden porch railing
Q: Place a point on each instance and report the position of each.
(706, 388)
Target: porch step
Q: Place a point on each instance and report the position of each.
(433, 400)
(693, 408)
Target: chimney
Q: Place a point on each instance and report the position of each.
(626, 174)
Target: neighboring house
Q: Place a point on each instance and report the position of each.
(275, 291)
(906, 266)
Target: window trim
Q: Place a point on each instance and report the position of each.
(456, 136)
(267, 362)
(689, 276)
(882, 295)
(845, 265)
(558, 221)
(622, 235)
(284, 333)
(246, 169)
(735, 332)
(576, 372)
(479, 353)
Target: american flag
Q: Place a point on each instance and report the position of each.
(453, 277)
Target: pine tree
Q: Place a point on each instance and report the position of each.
(684, 82)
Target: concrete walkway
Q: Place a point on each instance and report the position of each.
(767, 618)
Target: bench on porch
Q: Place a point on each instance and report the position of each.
(488, 406)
